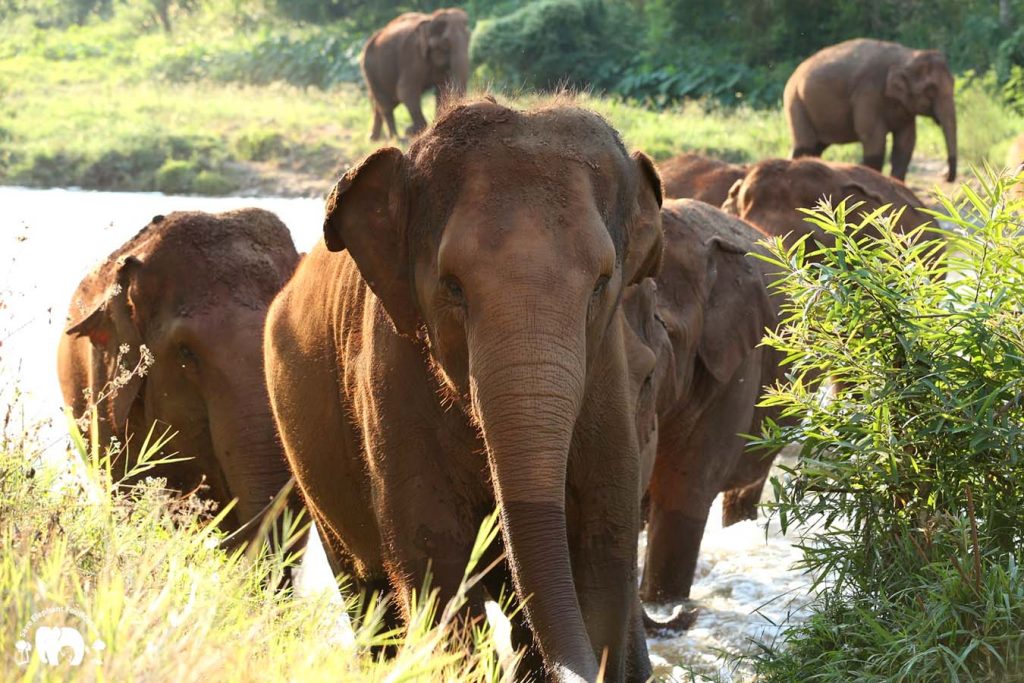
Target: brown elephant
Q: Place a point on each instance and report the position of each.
(412, 54)
(190, 291)
(711, 308)
(693, 176)
(862, 90)
(457, 343)
(773, 192)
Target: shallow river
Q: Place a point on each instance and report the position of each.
(49, 239)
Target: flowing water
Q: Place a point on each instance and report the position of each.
(745, 586)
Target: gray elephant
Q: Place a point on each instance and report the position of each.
(192, 289)
(862, 90)
(412, 54)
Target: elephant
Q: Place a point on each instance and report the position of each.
(694, 176)
(1015, 162)
(862, 90)
(456, 343)
(50, 642)
(413, 53)
(711, 307)
(774, 190)
(189, 294)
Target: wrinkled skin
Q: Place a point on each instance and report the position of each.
(412, 54)
(712, 308)
(774, 190)
(456, 343)
(692, 176)
(862, 90)
(194, 288)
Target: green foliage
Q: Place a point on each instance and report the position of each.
(909, 488)
(260, 145)
(175, 176)
(547, 44)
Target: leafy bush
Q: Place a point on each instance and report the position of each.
(547, 44)
(213, 184)
(259, 145)
(909, 489)
(176, 176)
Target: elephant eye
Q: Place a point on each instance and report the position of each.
(602, 282)
(454, 290)
(186, 354)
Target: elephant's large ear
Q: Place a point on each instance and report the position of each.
(643, 258)
(897, 86)
(736, 311)
(366, 215)
(110, 326)
(854, 192)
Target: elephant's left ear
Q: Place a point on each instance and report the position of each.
(643, 257)
(366, 215)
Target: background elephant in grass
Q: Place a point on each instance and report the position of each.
(862, 90)
(773, 192)
(193, 288)
(457, 342)
(693, 176)
(412, 54)
(712, 309)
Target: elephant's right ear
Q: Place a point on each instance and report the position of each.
(366, 215)
(110, 326)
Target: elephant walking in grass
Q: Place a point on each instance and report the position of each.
(456, 343)
(862, 90)
(188, 295)
(412, 54)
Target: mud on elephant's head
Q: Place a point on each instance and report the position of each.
(443, 42)
(193, 288)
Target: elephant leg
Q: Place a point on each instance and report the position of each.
(673, 544)
(872, 133)
(410, 96)
(389, 118)
(903, 141)
(378, 124)
(805, 139)
(499, 583)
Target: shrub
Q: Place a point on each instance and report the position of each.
(212, 183)
(909, 490)
(259, 145)
(176, 177)
(548, 43)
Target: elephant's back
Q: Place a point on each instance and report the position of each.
(698, 177)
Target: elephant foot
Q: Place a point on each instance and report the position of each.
(681, 620)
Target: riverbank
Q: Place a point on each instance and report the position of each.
(107, 107)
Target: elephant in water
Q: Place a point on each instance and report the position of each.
(862, 90)
(456, 343)
(702, 317)
(189, 293)
(412, 54)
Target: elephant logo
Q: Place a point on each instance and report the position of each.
(56, 644)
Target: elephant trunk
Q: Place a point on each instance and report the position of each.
(246, 445)
(527, 389)
(945, 115)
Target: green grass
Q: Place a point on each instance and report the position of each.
(107, 106)
(141, 570)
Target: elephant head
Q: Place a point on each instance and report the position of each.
(773, 192)
(443, 42)
(923, 85)
(50, 642)
(502, 242)
(194, 288)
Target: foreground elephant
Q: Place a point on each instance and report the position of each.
(712, 308)
(412, 54)
(457, 343)
(693, 176)
(773, 192)
(192, 288)
(861, 90)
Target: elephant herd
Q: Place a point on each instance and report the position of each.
(515, 312)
